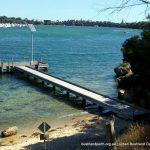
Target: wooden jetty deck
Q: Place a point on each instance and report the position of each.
(6, 67)
(122, 109)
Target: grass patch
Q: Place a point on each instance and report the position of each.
(136, 135)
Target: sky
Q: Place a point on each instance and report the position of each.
(69, 9)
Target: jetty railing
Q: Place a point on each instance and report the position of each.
(8, 65)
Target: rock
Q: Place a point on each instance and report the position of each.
(123, 69)
(125, 95)
(11, 141)
(23, 135)
(35, 133)
(121, 93)
(9, 131)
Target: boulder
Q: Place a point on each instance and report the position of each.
(123, 69)
(128, 96)
(121, 93)
(125, 95)
(9, 131)
(36, 133)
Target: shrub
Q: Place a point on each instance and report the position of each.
(137, 133)
(136, 51)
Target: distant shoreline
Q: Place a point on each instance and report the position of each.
(90, 23)
(8, 25)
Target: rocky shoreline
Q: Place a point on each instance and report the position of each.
(133, 75)
(129, 85)
(123, 72)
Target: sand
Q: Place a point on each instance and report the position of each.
(72, 134)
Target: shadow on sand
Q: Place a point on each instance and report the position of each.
(89, 133)
(92, 132)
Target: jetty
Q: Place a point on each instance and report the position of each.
(33, 70)
(9, 66)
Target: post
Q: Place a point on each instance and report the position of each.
(35, 78)
(1, 66)
(100, 108)
(8, 66)
(67, 95)
(110, 133)
(32, 29)
(32, 46)
(44, 143)
(12, 63)
(83, 103)
(54, 89)
(44, 136)
(38, 65)
(42, 83)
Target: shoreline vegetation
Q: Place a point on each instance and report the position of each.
(11, 21)
(133, 75)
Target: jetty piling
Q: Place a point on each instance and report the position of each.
(54, 89)
(83, 103)
(67, 95)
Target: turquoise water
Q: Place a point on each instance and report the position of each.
(83, 55)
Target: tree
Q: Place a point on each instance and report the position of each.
(148, 17)
(127, 4)
(136, 51)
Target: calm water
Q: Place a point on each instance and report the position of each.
(83, 55)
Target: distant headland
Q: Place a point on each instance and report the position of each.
(12, 21)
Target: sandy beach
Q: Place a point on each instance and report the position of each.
(72, 134)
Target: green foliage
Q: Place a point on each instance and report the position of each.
(136, 50)
(148, 17)
(18, 20)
